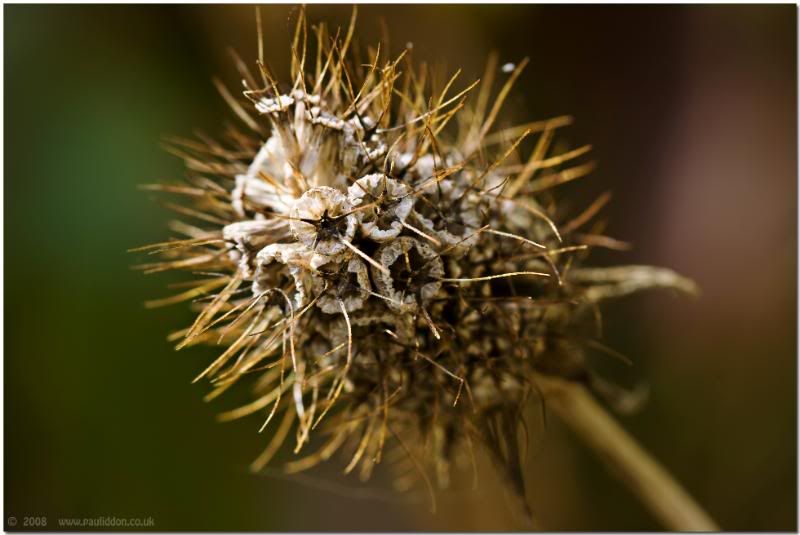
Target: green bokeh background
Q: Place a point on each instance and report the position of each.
(691, 111)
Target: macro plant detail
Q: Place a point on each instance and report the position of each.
(385, 269)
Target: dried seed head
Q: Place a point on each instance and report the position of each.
(412, 274)
(384, 205)
(395, 276)
(321, 221)
(451, 213)
(349, 285)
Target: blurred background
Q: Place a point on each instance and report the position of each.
(692, 112)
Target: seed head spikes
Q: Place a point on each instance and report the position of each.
(374, 251)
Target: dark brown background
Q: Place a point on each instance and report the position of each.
(692, 113)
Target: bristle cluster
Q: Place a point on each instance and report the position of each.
(378, 259)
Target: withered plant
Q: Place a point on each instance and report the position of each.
(390, 275)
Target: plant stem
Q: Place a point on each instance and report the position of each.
(648, 480)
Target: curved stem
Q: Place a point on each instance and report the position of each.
(648, 480)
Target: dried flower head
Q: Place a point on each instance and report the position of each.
(385, 263)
